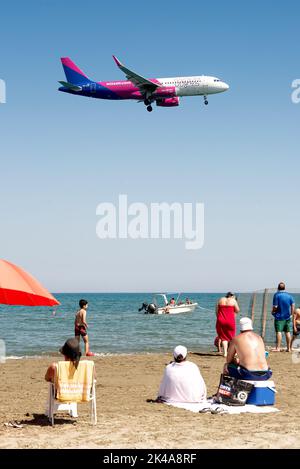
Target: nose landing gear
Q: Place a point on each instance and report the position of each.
(205, 100)
(149, 108)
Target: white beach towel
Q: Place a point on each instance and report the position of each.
(214, 408)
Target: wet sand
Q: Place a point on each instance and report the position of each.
(127, 420)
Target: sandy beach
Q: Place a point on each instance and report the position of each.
(127, 420)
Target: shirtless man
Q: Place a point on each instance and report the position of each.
(81, 327)
(251, 363)
(296, 324)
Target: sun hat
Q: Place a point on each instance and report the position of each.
(246, 324)
(180, 350)
(71, 349)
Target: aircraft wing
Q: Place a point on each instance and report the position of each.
(143, 83)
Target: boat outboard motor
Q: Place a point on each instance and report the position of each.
(143, 307)
(152, 308)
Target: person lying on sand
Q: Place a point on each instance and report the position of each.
(250, 349)
(182, 380)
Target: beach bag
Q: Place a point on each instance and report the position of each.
(232, 391)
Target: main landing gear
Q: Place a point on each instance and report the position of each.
(205, 100)
(147, 103)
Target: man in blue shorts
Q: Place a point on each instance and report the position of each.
(283, 309)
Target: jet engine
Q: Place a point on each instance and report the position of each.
(168, 102)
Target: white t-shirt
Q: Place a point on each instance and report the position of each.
(182, 382)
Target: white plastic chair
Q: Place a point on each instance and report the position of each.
(55, 405)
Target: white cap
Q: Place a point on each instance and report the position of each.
(246, 324)
(180, 350)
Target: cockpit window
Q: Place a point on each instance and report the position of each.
(217, 79)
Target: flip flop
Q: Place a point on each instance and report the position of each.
(219, 410)
(13, 424)
(205, 410)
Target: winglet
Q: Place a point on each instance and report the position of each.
(117, 61)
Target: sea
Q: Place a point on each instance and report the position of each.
(117, 327)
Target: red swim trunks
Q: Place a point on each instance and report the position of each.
(80, 330)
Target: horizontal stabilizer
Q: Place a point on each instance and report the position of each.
(70, 86)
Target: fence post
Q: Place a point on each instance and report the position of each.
(264, 313)
(253, 307)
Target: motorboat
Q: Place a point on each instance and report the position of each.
(161, 305)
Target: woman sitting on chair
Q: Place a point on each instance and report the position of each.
(71, 351)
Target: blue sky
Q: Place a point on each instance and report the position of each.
(62, 155)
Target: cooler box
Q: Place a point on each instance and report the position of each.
(263, 393)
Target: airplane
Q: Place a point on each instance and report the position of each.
(164, 91)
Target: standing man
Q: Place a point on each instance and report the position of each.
(81, 326)
(283, 309)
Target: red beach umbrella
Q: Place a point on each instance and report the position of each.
(17, 287)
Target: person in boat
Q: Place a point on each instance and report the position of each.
(172, 302)
(188, 301)
(182, 380)
(246, 358)
(226, 309)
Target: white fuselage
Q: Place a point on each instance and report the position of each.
(195, 85)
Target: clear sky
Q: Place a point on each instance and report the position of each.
(62, 155)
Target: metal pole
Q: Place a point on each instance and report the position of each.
(264, 315)
(253, 307)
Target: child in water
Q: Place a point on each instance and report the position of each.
(81, 326)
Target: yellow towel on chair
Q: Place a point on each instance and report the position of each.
(74, 384)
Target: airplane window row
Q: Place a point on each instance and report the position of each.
(184, 82)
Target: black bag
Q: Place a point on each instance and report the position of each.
(232, 391)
